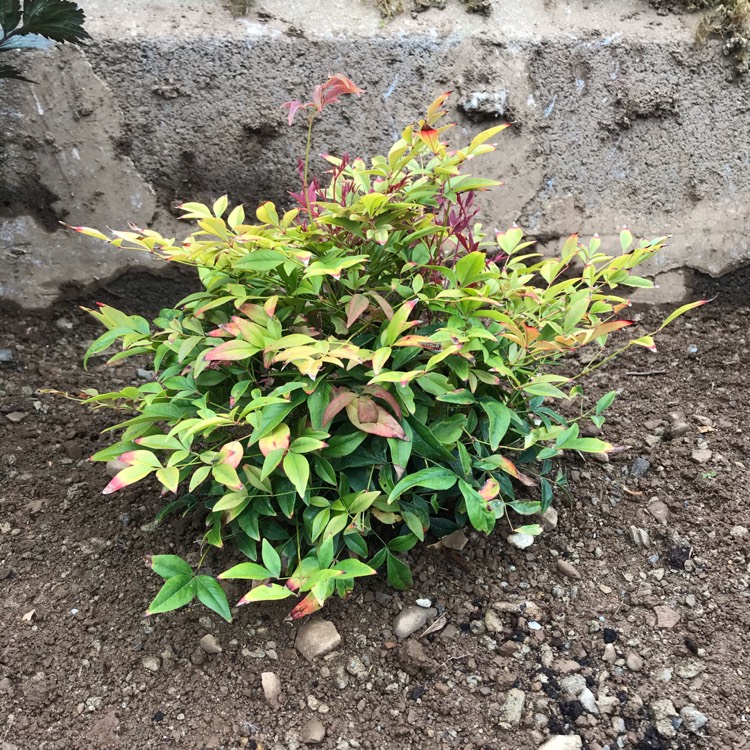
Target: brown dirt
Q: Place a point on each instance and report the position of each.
(73, 585)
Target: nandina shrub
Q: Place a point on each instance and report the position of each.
(359, 372)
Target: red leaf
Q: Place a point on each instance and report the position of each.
(386, 426)
(336, 404)
(306, 607)
(357, 305)
(367, 411)
(384, 395)
(294, 107)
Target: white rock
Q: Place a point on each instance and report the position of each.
(588, 701)
(521, 541)
(152, 663)
(575, 684)
(563, 742)
(317, 638)
(271, 689)
(411, 619)
(424, 603)
(512, 710)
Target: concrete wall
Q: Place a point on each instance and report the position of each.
(618, 119)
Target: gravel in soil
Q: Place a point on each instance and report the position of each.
(623, 626)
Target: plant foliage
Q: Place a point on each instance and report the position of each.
(359, 372)
(38, 23)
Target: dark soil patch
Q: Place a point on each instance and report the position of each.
(73, 585)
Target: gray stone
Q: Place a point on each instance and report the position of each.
(313, 733)
(355, 667)
(701, 455)
(575, 684)
(634, 662)
(639, 468)
(317, 638)
(659, 510)
(6, 355)
(663, 711)
(549, 519)
(640, 537)
(563, 742)
(693, 718)
(410, 619)
(210, 645)
(568, 569)
(151, 663)
(738, 532)
(689, 670)
(512, 710)
(666, 617)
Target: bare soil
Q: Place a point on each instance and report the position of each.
(73, 586)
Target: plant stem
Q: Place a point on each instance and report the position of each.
(310, 121)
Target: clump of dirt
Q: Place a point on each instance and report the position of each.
(631, 639)
(727, 19)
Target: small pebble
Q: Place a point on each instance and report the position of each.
(634, 662)
(210, 645)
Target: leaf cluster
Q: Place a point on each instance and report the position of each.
(38, 23)
(360, 372)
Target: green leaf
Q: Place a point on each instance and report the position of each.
(247, 571)
(481, 518)
(399, 575)
(414, 524)
(10, 15)
(434, 478)
(425, 444)
(169, 477)
(499, 418)
(11, 72)
(169, 566)
(356, 543)
(354, 568)
(268, 592)
(271, 559)
(589, 445)
(576, 310)
(533, 529)
(212, 595)
(605, 402)
(261, 261)
(60, 20)
(297, 469)
(175, 593)
(402, 543)
(681, 311)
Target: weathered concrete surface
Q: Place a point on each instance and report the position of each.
(618, 119)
